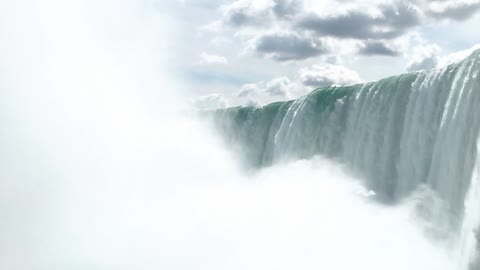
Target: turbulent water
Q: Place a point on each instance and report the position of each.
(406, 135)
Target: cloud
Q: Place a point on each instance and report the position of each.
(288, 46)
(425, 63)
(284, 88)
(254, 13)
(428, 57)
(456, 56)
(243, 13)
(327, 75)
(453, 10)
(305, 25)
(425, 57)
(210, 102)
(287, 8)
(277, 89)
(391, 21)
(212, 59)
(377, 48)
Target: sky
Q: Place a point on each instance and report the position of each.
(253, 52)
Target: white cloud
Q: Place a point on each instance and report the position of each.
(424, 57)
(456, 56)
(277, 89)
(212, 59)
(284, 88)
(326, 75)
(209, 102)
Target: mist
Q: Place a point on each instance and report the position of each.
(101, 168)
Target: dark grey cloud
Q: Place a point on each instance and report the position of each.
(244, 16)
(374, 29)
(287, 8)
(459, 11)
(288, 46)
(394, 21)
(377, 48)
(240, 14)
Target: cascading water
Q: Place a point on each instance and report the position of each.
(468, 250)
(403, 135)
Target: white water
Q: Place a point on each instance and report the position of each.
(467, 252)
(99, 171)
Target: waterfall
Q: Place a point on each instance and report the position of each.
(401, 134)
